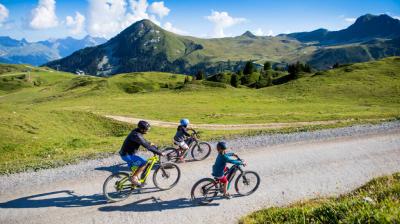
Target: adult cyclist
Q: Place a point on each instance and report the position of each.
(130, 147)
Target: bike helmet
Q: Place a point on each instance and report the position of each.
(143, 125)
(184, 122)
(221, 145)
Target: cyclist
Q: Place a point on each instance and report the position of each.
(130, 147)
(181, 135)
(220, 165)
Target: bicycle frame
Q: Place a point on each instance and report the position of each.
(149, 166)
(230, 173)
(150, 163)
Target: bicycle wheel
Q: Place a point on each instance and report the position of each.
(204, 191)
(247, 183)
(117, 187)
(171, 155)
(201, 151)
(166, 176)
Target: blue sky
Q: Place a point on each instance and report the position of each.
(43, 19)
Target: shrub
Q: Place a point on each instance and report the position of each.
(133, 89)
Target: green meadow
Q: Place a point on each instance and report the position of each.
(50, 118)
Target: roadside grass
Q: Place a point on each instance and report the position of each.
(378, 201)
(40, 112)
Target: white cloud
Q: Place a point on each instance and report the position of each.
(259, 32)
(107, 18)
(3, 14)
(168, 26)
(221, 21)
(44, 15)
(159, 9)
(350, 20)
(76, 25)
(396, 17)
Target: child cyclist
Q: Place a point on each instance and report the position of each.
(181, 135)
(220, 165)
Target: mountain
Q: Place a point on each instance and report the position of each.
(367, 51)
(37, 53)
(144, 46)
(365, 28)
(69, 45)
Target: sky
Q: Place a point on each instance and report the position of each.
(37, 20)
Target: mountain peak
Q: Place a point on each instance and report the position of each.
(369, 18)
(248, 34)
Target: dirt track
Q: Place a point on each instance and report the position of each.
(166, 124)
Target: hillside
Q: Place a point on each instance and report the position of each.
(145, 46)
(49, 117)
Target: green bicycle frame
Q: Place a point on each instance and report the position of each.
(149, 166)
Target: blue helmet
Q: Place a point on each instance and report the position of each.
(184, 122)
(221, 145)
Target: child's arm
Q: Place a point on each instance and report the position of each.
(184, 130)
(233, 161)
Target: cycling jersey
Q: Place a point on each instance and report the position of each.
(181, 133)
(132, 143)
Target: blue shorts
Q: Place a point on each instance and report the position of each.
(134, 160)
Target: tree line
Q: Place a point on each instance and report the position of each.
(254, 77)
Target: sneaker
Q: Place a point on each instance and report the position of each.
(227, 196)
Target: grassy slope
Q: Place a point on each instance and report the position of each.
(349, 208)
(55, 117)
(245, 48)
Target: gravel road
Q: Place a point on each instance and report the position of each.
(292, 167)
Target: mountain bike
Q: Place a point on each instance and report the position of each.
(118, 186)
(198, 149)
(205, 190)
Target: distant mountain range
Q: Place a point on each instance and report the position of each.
(365, 28)
(144, 46)
(23, 52)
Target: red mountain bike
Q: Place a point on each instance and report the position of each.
(205, 190)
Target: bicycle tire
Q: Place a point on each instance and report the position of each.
(206, 149)
(171, 155)
(163, 171)
(243, 176)
(119, 194)
(213, 190)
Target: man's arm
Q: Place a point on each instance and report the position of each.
(148, 146)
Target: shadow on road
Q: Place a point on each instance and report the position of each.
(155, 204)
(114, 168)
(64, 198)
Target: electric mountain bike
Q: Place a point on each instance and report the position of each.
(118, 186)
(198, 149)
(205, 190)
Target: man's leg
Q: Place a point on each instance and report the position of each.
(140, 163)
